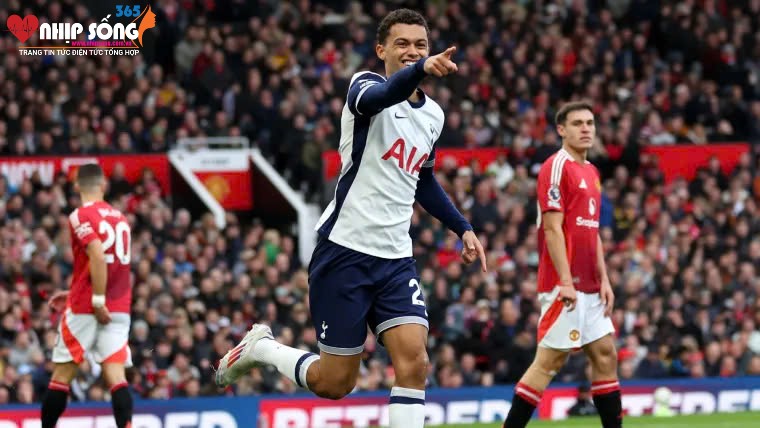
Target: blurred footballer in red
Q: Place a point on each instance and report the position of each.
(97, 311)
(573, 288)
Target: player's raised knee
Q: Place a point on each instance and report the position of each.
(412, 370)
(335, 384)
(343, 389)
(334, 390)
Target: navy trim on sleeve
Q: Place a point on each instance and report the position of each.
(369, 94)
(435, 201)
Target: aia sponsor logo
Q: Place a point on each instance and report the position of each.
(411, 163)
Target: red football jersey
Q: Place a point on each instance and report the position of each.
(573, 189)
(99, 220)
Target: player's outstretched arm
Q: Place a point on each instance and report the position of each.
(435, 201)
(98, 277)
(369, 94)
(555, 244)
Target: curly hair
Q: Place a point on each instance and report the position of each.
(400, 16)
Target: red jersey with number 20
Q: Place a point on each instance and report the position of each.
(573, 189)
(99, 220)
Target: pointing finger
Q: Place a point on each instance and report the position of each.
(450, 51)
(439, 70)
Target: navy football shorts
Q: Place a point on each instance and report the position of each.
(350, 291)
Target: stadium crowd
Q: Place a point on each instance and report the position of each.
(683, 257)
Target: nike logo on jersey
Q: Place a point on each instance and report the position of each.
(583, 184)
(400, 116)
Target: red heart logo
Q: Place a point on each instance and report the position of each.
(23, 28)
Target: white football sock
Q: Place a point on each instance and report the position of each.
(293, 363)
(407, 408)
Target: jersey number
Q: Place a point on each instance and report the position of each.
(417, 293)
(119, 239)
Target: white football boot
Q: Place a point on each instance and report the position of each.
(239, 360)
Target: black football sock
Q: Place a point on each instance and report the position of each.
(121, 401)
(54, 403)
(524, 403)
(607, 399)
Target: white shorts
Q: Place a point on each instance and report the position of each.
(79, 334)
(563, 330)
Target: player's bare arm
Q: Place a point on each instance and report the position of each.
(555, 243)
(605, 293)
(99, 276)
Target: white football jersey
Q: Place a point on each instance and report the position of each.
(381, 156)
